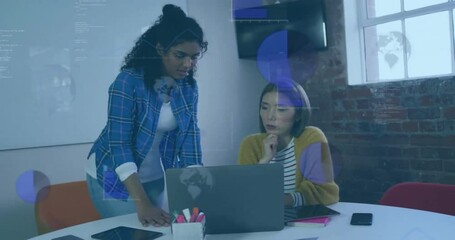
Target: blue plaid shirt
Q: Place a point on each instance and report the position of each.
(133, 113)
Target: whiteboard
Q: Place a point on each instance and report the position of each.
(57, 60)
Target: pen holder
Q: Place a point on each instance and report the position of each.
(189, 231)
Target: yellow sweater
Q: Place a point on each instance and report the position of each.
(314, 192)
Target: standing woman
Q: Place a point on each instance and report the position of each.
(152, 121)
(285, 138)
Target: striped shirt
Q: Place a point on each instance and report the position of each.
(287, 158)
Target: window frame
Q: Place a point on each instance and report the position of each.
(355, 20)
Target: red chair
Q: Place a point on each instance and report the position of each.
(432, 197)
(64, 205)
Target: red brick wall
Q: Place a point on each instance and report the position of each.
(382, 133)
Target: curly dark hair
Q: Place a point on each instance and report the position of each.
(172, 27)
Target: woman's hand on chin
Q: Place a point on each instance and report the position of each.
(270, 145)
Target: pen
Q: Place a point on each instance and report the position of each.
(186, 213)
(175, 213)
(200, 217)
(195, 214)
(195, 211)
(180, 219)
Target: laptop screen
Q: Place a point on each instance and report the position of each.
(234, 198)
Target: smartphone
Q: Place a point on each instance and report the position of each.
(127, 233)
(365, 219)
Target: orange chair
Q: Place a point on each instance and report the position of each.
(63, 205)
(432, 197)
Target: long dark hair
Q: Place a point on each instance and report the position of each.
(172, 27)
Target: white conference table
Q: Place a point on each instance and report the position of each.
(389, 223)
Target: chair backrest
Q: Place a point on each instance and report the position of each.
(63, 205)
(432, 197)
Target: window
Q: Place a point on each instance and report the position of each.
(389, 40)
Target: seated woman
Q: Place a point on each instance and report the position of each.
(285, 138)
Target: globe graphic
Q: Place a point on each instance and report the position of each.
(391, 47)
(197, 180)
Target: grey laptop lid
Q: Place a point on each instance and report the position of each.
(234, 198)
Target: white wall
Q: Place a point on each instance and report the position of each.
(228, 87)
(228, 104)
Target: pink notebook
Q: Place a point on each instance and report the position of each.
(312, 222)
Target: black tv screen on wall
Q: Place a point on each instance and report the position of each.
(254, 25)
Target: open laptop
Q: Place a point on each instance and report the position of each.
(234, 198)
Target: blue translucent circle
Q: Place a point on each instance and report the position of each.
(32, 186)
(272, 57)
(285, 55)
